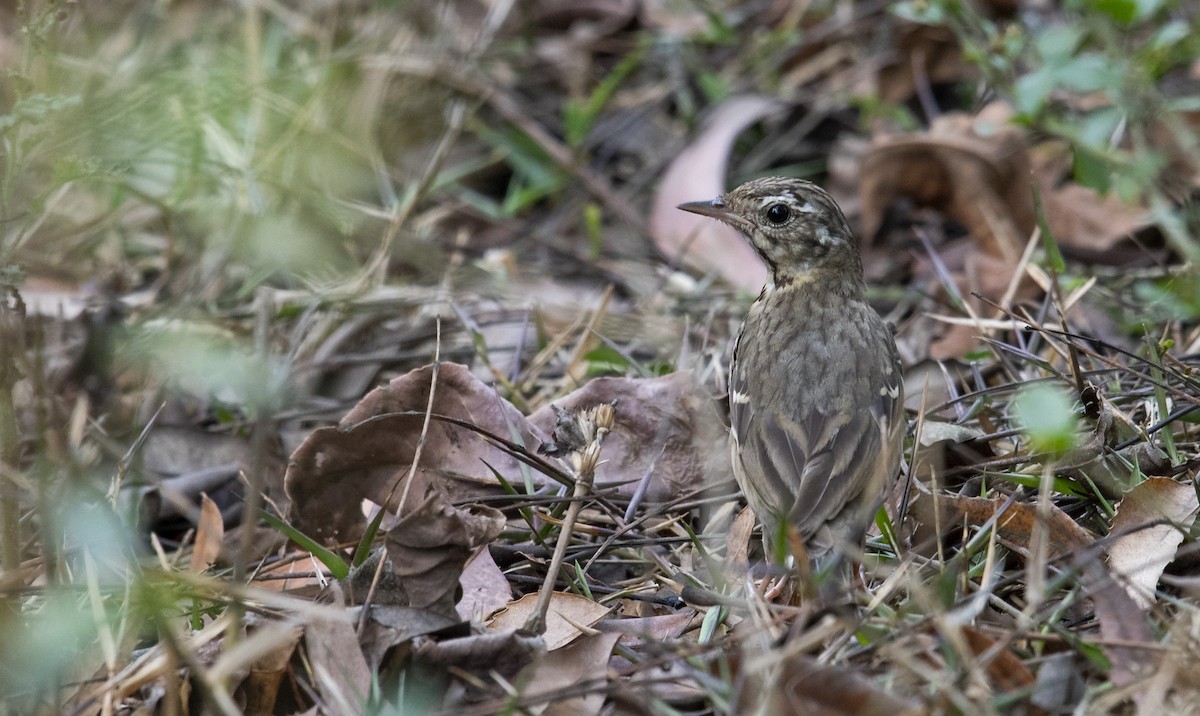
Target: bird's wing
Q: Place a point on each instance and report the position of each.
(814, 468)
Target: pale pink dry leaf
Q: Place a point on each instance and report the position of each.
(567, 613)
(698, 174)
(1151, 522)
(210, 531)
(672, 412)
(365, 455)
(484, 587)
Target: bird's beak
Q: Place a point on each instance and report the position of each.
(714, 208)
(717, 209)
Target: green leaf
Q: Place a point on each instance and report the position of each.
(1126, 12)
(1059, 485)
(1096, 128)
(580, 116)
(1120, 11)
(1046, 416)
(1091, 72)
(337, 567)
(1031, 91)
(1057, 44)
(1092, 171)
(605, 359)
(713, 86)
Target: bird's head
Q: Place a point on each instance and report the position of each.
(793, 224)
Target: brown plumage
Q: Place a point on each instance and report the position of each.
(815, 388)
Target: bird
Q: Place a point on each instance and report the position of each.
(816, 394)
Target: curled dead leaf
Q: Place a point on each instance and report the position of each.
(975, 170)
(369, 453)
(669, 424)
(427, 551)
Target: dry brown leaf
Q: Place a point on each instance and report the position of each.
(737, 543)
(696, 174)
(805, 686)
(427, 550)
(973, 169)
(1005, 669)
(503, 652)
(388, 626)
(668, 423)
(1088, 226)
(664, 627)
(926, 49)
(210, 531)
(484, 587)
(585, 659)
(1149, 526)
(340, 671)
(371, 450)
(1015, 525)
(261, 687)
(568, 614)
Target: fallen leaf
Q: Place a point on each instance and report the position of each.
(504, 652)
(568, 613)
(210, 531)
(484, 587)
(369, 453)
(1088, 226)
(926, 53)
(1121, 621)
(388, 626)
(669, 424)
(261, 687)
(1005, 669)
(1150, 524)
(340, 670)
(584, 660)
(664, 627)
(426, 553)
(697, 174)
(802, 685)
(975, 170)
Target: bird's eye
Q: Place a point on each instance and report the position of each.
(778, 213)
